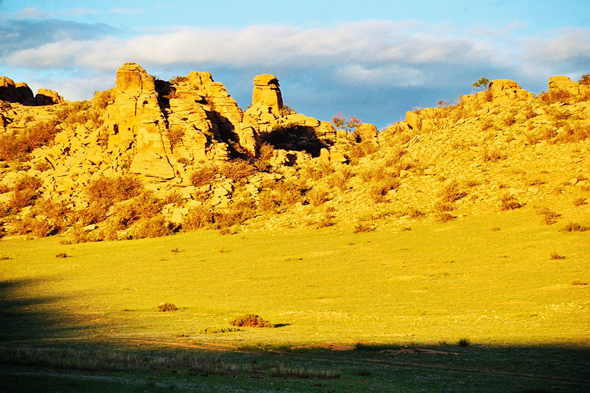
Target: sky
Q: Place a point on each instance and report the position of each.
(371, 59)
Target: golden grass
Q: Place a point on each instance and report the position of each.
(435, 283)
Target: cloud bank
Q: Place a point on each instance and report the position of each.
(373, 67)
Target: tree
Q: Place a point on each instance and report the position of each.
(341, 123)
(482, 83)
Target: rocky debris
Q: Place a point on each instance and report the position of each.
(152, 164)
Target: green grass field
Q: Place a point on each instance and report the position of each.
(399, 301)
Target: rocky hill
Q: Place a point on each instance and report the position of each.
(150, 157)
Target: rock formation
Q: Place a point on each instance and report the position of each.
(189, 144)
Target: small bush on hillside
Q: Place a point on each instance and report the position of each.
(555, 255)
(573, 132)
(111, 190)
(175, 135)
(549, 217)
(15, 147)
(464, 342)
(163, 307)
(580, 202)
(340, 178)
(156, 226)
(32, 226)
(553, 96)
(363, 149)
(363, 227)
(101, 99)
(493, 156)
(198, 217)
(251, 320)
(509, 202)
(379, 191)
(317, 196)
(451, 192)
(147, 205)
(574, 227)
(202, 176)
(444, 217)
(415, 213)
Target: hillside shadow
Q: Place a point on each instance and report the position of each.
(33, 318)
(297, 138)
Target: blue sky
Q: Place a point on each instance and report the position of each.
(372, 59)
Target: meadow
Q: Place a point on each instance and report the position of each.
(490, 302)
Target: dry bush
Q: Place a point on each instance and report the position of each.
(126, 214)
(549, 217)
(173, 197)
(339, 179)
(234, 216)
(444, 207)
(156, 226)
(95, 213)
(363, 149)
(558, 113)
(574, 227)
(509, 202)
(379, 191)
(444, 217)
(580, 202)
(268, 201)
(28, 182)
(237, 170)
(415, 213)
(147, 205)
(163, 307)
(317, 196)
(21, 199)
(451, 192)
(289, 193)
(102, 99)
(575, 132)
(554, 96)
(555, 255)
(56, 212)
(15, 147)
(362, 227)
(493, 155)
(198, 217)
(175, 135)
(251, 320)
(30, 225)
(113, 190)
(203, 176)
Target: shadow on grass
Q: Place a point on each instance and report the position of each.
(34, 318)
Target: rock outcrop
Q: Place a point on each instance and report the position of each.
(21, 93)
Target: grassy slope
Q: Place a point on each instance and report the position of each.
(432, 284)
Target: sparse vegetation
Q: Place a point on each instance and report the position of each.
(251, 320)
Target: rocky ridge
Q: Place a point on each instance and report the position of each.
(183, 154)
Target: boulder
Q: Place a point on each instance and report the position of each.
(413, 120)
(152, 165)
(366, 132)
(48, 97)
(563, 83)
(503, 90)
(7, 90)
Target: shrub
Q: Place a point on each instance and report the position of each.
(197, 217)
(444, 217)
(493, 156)
(101, 99)
(21, 198)
(251, 320)
(317, 196)
(153, 227)
(363, 227)
(555, 255)
(380, 190)
(163, 307)
(451, 192)
(175, 135)
(13, 147)
(574, 227)
(112, 190)
(28, 182)
(509, 202)
(237, 169)
(202, 176)
(549, 217)
(147, 205)
(464, 342)
(62, 255)
(580, 201)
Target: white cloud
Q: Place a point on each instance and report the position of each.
(382, 56)
(31, 13)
